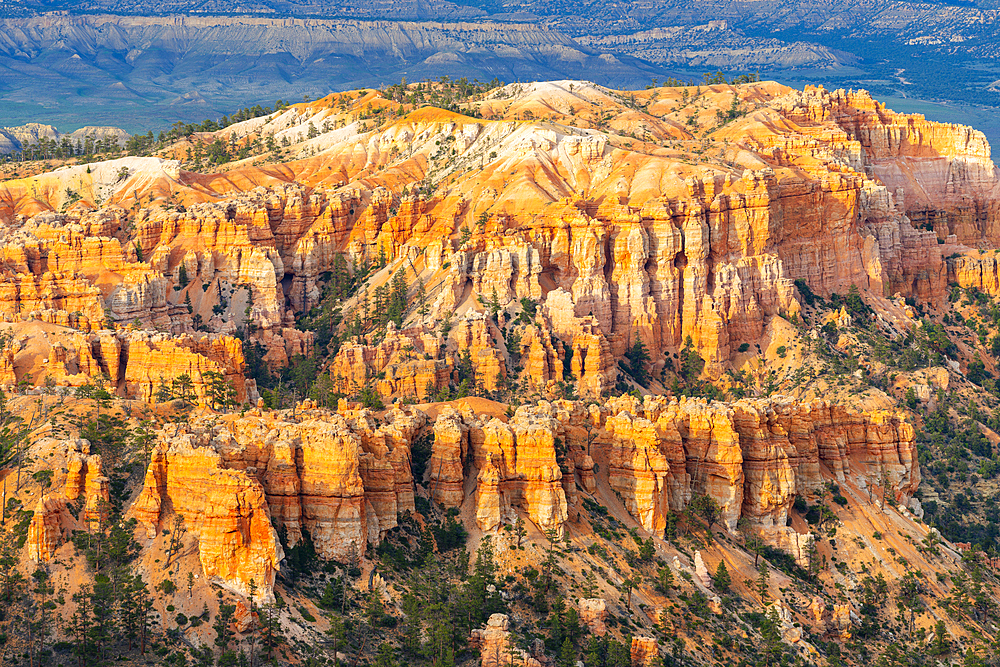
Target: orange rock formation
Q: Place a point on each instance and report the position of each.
(496, 649)
(135, 363)
(229, 477)
(52, 519)
(752, 456)
(238, 482)
(691, 232)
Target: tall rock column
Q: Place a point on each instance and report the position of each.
(446, 469)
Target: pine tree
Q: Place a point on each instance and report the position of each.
(664, 580)
(10, 578)
(628, 585)
(567, 654)
(270, 628)
(221, 626)
(439, 647)
(80, 625)
(163, 393)
(421, 298)
(183, 388)
(690, 364)
(638, 357)
(707, 508)
(571, 625)
(556, 634)
(722, 580)
(411, 625)
(763, 583)
(647, 551)
(770, 632)
(593, 655)
(519, 531)
(219, 390)
(396, 304)
(386, 656)
(549, 564)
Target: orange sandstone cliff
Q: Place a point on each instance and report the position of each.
(343, 478)
(665, 224)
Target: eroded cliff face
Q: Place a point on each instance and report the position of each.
(978, 269)
(516, 462)
(238, 481)
(941, 174)
(587, 237)
(752, 456)
(134, 364)
(84, 487)
(418, 362)
(243, 485)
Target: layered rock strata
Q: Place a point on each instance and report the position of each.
(244, 484)
(137, 364)
(588, 240)
(230, 478)
(418, 362)
(752, 457)
(516, 462)
(84, 486)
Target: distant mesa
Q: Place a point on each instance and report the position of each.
(16, 139)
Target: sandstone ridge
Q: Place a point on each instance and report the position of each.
(579, 234)
(244, 484)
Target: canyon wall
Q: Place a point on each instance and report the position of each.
(752, 456)
(577, 238)
(134, 364)
(244, 484)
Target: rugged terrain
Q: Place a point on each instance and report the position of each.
(142, 66)
(524, 374)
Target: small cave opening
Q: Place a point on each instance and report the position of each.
(286, 283)
(680, 261)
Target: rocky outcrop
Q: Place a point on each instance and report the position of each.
(224, 508)
(496, 648)
(404, 363)
(593, 613)
(645, 651)
(15, 139)
(45, 532)
(752, 457)
(244, 484)
(417, 362)
(516, 463)
(941, 173)
(978, 269)
(445, 474)
(519, 470)
(84, 487)
(140, 364)
(79, 269)
(231, 477)
(153, 361)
